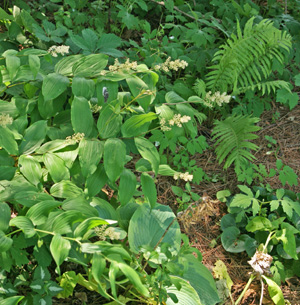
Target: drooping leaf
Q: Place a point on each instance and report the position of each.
(149, 189)
(31, 169)
(7, 141)
(148, 152)
(90, 153)
(137, 124)
(5, 214)
(65, 189)
(81, 116)
(25, 224)
(127, 186)
(34, 137)
(114, 158)
(54, 84)
(59, 248)
(56, 167)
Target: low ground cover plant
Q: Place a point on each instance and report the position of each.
(89, 119)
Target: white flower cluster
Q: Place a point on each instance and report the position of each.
(171, 65)
(211, 100)
(184, 176)
(77, 137)
(54, 50)
(103, 232)
(5, 119)
(177, 120)
(261, 262)
(126, 66)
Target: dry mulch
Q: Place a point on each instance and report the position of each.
(201, 223)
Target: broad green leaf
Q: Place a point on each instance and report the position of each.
(50, 108)
(25, 224)
(5, 242)
(65, 65)
(5, 214)
(134, 278)
(112, 274)
(34, 137)
(109, 123)
(31, 169)
(127, 186)
(54, 84)
(186, 295)
(241, 201)
(67, 281)
(259, 223)
(232, 241)
(90, 66)
(98, 266)
(274, 291)
(140, 91)
(65, 189)
(149, 189)
(90, 153)
(148, 152)
(56, 167)
(83, 87)
(147, 227)
(289, 241)
(96, 181)
(7, 141)
(166, 170)
(7, 172)
(59, 248)
(62, 222)
(39, 212)
(105, 209)
(137, 124)
(80, 204)
(114, 158)
(200, 278)
(81, 116)
(12, 64)
(4, 15)
(173, 97)
(11, 300)
(52, 146)
(34, 64)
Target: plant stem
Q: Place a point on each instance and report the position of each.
(262, 291)
(252, 277)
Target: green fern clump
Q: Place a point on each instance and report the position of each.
(245, 61)
(233, 137)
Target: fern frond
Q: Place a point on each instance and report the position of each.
(246, 58)
(266, 87)
(232, 139)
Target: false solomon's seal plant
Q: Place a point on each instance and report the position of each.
(69, 196)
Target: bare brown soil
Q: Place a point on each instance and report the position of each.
(201, 224)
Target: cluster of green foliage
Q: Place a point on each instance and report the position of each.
(84, 136)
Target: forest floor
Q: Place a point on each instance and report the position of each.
(202, 224)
